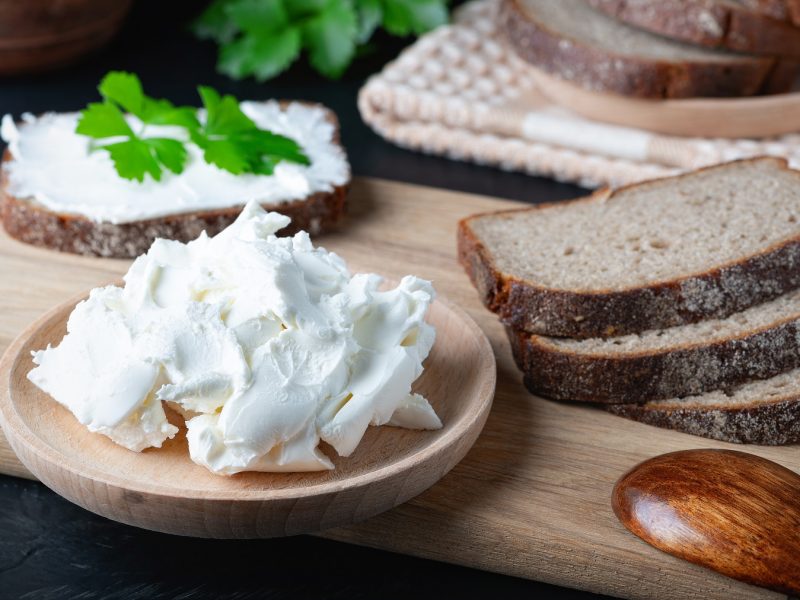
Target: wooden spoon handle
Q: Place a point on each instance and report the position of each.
(733, 512)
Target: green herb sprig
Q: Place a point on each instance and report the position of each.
(228, 138)
(262, 38)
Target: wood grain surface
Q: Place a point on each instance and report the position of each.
(163, 490)
(734, 512)
(756, 116)
(533, 496)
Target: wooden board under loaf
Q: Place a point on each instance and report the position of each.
(532, 498)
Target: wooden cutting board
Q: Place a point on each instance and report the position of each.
(532, 498)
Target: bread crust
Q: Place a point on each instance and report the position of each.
(38, 226)
(785, 10)
(672, 372)
(630, 76)
(29, 222)
(715, 293)
(773, 424)
(710, 23)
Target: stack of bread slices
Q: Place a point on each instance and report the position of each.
(675, 302)
(660, 48)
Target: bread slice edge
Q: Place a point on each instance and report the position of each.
(713, 25)
(676, 371)
(767, 424)
(528, 306)
(631, 76)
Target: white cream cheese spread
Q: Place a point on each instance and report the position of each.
(265, 345)
(53, 165)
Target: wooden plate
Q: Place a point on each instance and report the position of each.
(161, 489)
(753, 117)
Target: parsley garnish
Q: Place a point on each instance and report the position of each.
(261, 38)
(229, 138)
(134, 155)
(232, 141)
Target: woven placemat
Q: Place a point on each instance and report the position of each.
(461, 93)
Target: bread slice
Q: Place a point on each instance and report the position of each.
(573, 41)
(757, 343)
(27, 220)
(760, 412)
(728, 24)
(784, 10)
(652, 255)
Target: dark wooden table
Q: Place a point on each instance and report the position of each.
(50, 548)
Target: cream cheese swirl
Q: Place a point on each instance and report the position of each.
(266, 346)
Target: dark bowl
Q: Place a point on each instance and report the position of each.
(36, 35)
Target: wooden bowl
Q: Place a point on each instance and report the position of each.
(42, 34)
(753, 117)
(163, 490)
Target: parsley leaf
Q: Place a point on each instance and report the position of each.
(213, 23)
(135, 156)
(232, 141)
(262, 38)
(170, 153)
(330, 37)
(229, 139)
(262, 57)
(103, 120)
(299, 9)
(133, 159)
(223, 113)
(125, 90)
(269, 44)
(255, 16)
(370, 16)
(404, 17)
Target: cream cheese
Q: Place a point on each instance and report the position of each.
(265, 345)
(53, 165)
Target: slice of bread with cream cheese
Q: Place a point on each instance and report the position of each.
(58, 194)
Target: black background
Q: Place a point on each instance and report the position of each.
(51, 549)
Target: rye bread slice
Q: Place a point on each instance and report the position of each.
(653, 255)
(727, 24)
(784, 10)
(573, 41)
(763, 412)
(28, 221)
(757, 343)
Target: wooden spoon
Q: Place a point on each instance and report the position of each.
(733, 512)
